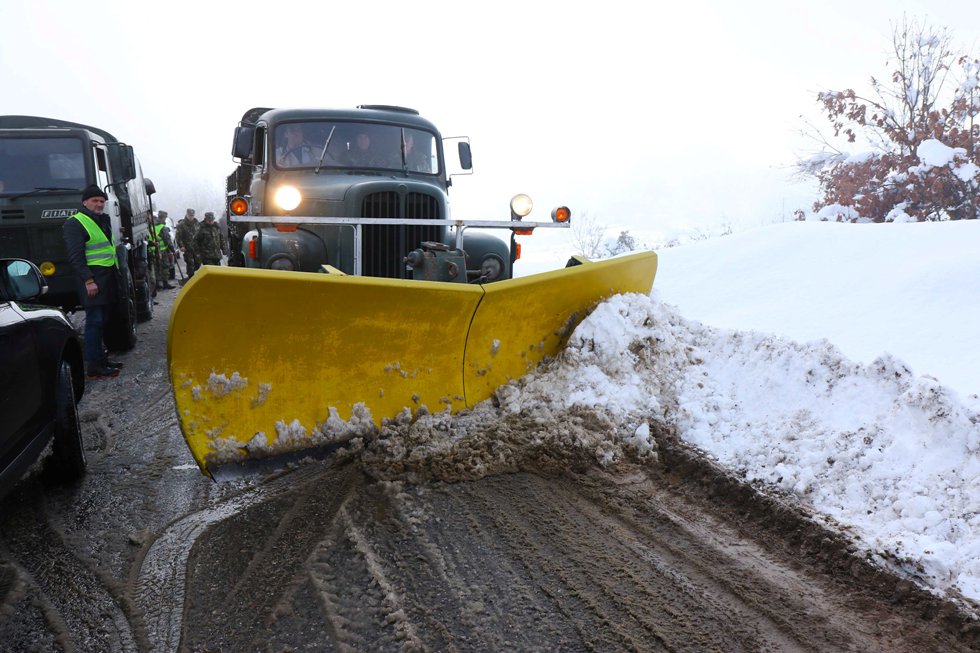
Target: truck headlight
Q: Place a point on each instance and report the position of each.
(288, 198)
(281, 262)
(491, 268)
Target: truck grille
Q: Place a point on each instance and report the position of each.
(385, 246)
(14, 243)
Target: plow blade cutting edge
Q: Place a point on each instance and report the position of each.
(271, 363)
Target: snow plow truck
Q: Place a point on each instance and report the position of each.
(353, 297)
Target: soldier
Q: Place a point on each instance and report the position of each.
(186, 232)
(162, 251)
(209, 242)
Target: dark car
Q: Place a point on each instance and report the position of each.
(41, 380)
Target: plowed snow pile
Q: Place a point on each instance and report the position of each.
(865, 446)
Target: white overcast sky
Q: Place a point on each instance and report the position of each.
(652, 120)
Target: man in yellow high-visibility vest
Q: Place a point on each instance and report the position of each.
(92, 253)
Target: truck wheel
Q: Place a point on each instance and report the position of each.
(120, 332)
(68, 457)
(144, 301)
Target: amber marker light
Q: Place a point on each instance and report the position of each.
(253, 249)
(47, 268)
(561, 214)
(238, 206)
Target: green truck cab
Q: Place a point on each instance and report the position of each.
(45, 164)
(361, 167)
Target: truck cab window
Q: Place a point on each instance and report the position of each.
(101, 167)
(29, 163)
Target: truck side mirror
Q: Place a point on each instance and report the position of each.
(465, 155)
(127, 161)
(241, 147)
(148, 186)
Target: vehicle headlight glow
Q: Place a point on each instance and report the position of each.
(520, 205)
(47, 268)
(288, 198)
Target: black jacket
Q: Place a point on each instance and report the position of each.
(75, 238)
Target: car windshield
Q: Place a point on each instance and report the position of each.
(327, 144)
(27, 164)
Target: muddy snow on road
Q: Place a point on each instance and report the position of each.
(507, 528)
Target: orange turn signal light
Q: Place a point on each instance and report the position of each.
(238, 206)
(561, 214)
(523, 232)
(517, 251)
(253, 249)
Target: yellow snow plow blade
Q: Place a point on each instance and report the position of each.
(522, 321)
(271, 363)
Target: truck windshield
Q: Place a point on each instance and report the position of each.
(355, 146)
(27, 164)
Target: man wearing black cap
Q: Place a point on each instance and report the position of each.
(92, 254)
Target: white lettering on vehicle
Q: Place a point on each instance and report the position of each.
(58, 213)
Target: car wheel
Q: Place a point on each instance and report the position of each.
(69, 454)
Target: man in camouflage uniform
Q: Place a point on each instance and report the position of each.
(209, 241)
(162, 251)
(186, 232)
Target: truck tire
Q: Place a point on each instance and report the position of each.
(120, 331)
(144, 301)
(68, 457)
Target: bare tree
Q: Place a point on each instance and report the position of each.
(625, 242)
(586, 235)
(915, 105)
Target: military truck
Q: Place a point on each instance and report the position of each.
(356, 298)
(374, 162)
(45, 164)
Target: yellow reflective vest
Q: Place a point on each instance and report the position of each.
(99, 250)
(159, 240)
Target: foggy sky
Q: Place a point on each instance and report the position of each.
(654, 122)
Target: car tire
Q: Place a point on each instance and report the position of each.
(68, 456)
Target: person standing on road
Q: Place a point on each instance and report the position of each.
(92, 254)
(186, 233)
(162, 246)
(209, 242)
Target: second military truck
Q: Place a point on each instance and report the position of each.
(45, 164)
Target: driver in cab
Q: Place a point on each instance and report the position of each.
(294, 150)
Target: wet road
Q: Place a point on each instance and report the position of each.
(553, 553)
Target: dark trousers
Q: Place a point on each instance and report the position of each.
(95, 319)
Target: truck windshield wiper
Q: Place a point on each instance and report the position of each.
(40, 189)
(319, 164)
